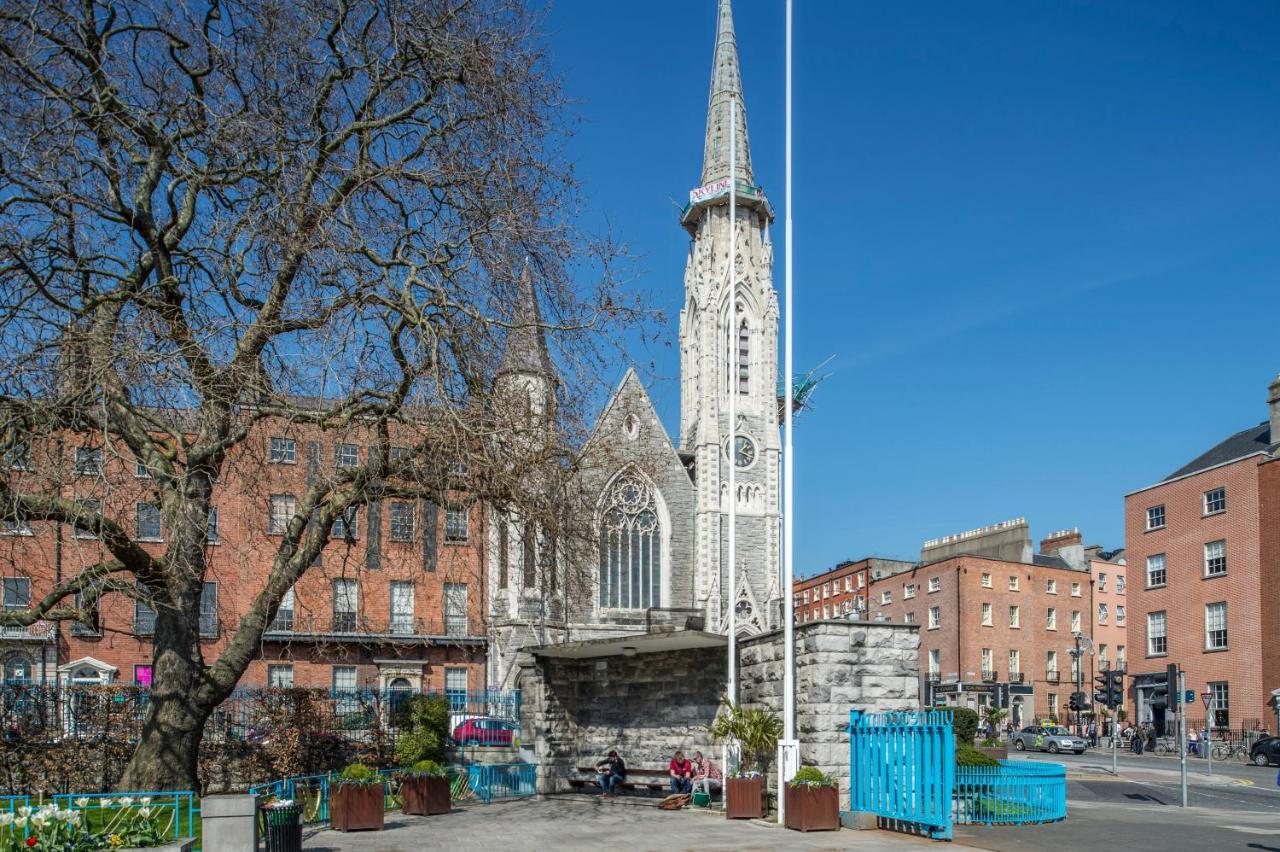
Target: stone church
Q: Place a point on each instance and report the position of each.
(660, 508)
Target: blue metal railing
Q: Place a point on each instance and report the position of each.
(1013, 793)
(176, 815)
(902, 768)
(311, 791)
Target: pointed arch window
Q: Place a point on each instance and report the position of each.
(744, 357)
(630, 545)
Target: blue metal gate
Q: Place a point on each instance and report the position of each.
(902, 766)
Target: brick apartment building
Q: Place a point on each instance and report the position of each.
(996, 620)
(842, 591)
(394, 601)
(1204, 540)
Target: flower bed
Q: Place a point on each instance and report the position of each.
(76, 823)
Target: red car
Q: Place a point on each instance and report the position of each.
(486, 732)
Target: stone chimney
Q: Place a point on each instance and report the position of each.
(1067, 545)
(1273, 400)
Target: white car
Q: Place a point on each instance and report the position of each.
(1050, 738)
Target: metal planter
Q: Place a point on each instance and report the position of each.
(425, 796)
(354, 807)
(744, 798)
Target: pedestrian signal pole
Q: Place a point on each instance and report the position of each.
(1182, 726)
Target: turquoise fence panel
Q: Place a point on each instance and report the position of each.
(902, 768)
(311, 791)
(1013, 793)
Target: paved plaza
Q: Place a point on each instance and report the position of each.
(579, 823)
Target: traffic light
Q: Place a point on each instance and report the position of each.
(1171, 675)
(1102, 690)
(1115, 688)
(1160, 689)
(1079, 701)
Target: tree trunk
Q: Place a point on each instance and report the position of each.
(167, 755)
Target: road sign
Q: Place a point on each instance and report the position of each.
(1208, 697)
(1190, 697)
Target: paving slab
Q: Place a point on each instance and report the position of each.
(568, 824)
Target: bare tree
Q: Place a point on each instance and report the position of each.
(221, 213)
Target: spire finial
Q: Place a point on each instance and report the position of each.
(525, 350)
(726, 86)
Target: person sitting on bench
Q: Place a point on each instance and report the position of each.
(613, 771)
(681, 772)
(704, 772)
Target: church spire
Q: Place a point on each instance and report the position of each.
(726, 86)
(525, 349)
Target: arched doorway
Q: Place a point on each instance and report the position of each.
(19, 669)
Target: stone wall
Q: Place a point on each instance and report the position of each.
(649, 705)
(840, 666)
(646, 707)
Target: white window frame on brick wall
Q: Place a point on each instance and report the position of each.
(346, 455)
(1157, 570)
(1015, 616)
(935, 584)
(935, 661)
(1119, 584)
(1119, 613)
(280, 676)
(1075, 590)
(1051, 662)
(1051, 587)
(1215, 626)
(1156, 519)
(848, 582)
(806, 597)
(1102, 581)
(988, 662)
(986, 580)
(1103, 613)
(1051, 618)
(1221, 690)
(1215, 501)
(282, 450)
(1157, 633)
(280, 510)
(1013, 582)
(908, 591)
(886, 597)
(909, 618)
(1015, 662)
(1075, 621)
(1215, 558)
(935, 617)
(986, 615)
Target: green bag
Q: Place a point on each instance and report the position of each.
(701, 799)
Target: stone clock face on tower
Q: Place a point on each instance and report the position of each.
(744, 451)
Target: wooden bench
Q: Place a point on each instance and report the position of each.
(648, 781)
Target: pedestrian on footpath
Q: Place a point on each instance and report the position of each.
(1093, 734)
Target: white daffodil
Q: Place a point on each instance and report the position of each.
(39, 820)
(66, 814)
(25, 811)
(82, 802)
(144, 811)
(104, 802)
(6, 818)
(146, 800)
(126, 801)
(19, 821)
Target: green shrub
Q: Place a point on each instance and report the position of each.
(426, 769)
(359, 775)
(967, 755)
(992, 742)
(428, 730)
(812, 776)
(965, 724)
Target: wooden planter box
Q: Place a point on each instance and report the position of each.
(425, 796)
(813, 808)
(744, 798)
(998, 752)
(355, 808)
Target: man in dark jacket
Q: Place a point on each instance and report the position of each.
(613, 771)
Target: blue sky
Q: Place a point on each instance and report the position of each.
(1041, 240)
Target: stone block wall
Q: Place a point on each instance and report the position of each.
(646, 707)
(840, 666)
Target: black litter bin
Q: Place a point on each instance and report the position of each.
(284, 828)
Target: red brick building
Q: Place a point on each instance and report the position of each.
(394, 601)
(997, 621)
(1203, 545)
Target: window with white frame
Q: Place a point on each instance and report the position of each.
(935, 617)
(1215, 501)
(846, 607)
(1051, 619)
(402, 608)
(1051, 662)
(282, 509)
(848, 582)
(141, 471)
(1053, 705)
(1075, 621)
(1102, 581)
(346, 526)
(935, 661)
(862, 581)
(344, 681)
(1156, 575)
(886, 597)
(806, 596)
(1119, 584)
(88, 461)
(986, 580)
(280, 676)
(17, 592)
(1014, 617)
(1051, 587)
(457, 523)
(1215, 558)
(283, 622)
(987, 663)
(209, 611)
(826, 611)
(455, 688)
(1215, 626)
(346, 604)
(1221, 703)
(1075, 590)
(986, 615)
(86, 530)
(1119, 656)
(402, 517)
(1119, 613)
(16, 522)
(148, 522)
(1157, 641)
(826, 591)
(1102, 654)
(909, 591)
(283, 451)
(935, 584)
(1155, 517)
(1015, 661)
(1013, 582)
(910, 618)
(1102, 613)
(346, 455)
(455, 609)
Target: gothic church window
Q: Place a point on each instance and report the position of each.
(744, 358)
(630, 545)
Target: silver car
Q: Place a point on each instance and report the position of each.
(1050, 738)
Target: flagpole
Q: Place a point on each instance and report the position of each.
(788, 465)
(733, 399)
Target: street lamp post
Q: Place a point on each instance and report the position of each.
(1083, 645)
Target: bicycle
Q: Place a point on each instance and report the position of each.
(1164, 745)
(1227, 751)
